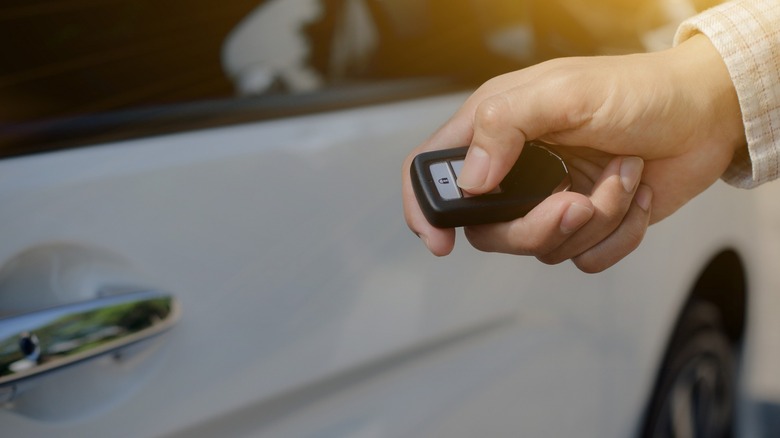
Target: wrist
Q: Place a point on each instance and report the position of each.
(699, 73)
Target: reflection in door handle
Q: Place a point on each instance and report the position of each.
(47, 340)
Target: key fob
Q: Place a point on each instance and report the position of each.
(537, 174)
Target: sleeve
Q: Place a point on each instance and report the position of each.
(747, 35)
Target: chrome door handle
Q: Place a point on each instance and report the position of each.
(39, 342)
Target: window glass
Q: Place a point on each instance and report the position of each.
(81, 71)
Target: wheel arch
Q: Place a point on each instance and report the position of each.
(723, 282)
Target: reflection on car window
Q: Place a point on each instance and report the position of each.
(69, 57)
(79, 71)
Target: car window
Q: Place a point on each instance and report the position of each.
(76, 72)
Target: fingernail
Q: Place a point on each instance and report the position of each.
(475, 168)
(631, 172)
(575, 217)
(644, 197)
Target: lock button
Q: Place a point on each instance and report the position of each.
(444, 179)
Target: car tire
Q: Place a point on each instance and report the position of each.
(696, 387)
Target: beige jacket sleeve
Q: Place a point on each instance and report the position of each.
(747, 35)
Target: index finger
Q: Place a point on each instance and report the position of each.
(455, 133)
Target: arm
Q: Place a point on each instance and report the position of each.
(675, 109)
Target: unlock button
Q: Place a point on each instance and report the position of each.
(444, 179)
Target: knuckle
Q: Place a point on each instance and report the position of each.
(612, 218)
(491, 113)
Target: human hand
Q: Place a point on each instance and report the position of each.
(675, 109)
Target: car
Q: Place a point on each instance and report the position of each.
(202, 235)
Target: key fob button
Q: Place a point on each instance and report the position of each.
(457, 166)
(444, 179)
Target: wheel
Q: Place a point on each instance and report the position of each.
(695, 392)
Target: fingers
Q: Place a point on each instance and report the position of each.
(612, 197)
(490, 121)
(595, 232)
(541, 231)
(595, 228)
(625, 239)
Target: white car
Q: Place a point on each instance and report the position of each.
(172, 266)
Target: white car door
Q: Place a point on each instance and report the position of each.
(307, 307)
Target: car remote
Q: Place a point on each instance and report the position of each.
(537, 174)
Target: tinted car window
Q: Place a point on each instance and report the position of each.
(82, 71)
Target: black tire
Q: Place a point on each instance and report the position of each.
(696, 388)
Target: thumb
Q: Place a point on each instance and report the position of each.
(502, 124)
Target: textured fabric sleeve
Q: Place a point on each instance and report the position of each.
(747, 35)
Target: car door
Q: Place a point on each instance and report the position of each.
(307, 307)
(296, 301)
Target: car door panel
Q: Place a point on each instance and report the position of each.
(303, 294)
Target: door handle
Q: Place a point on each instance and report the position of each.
(47, 340)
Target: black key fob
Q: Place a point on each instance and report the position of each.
(537, 174)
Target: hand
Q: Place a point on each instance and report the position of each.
(676, 109)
